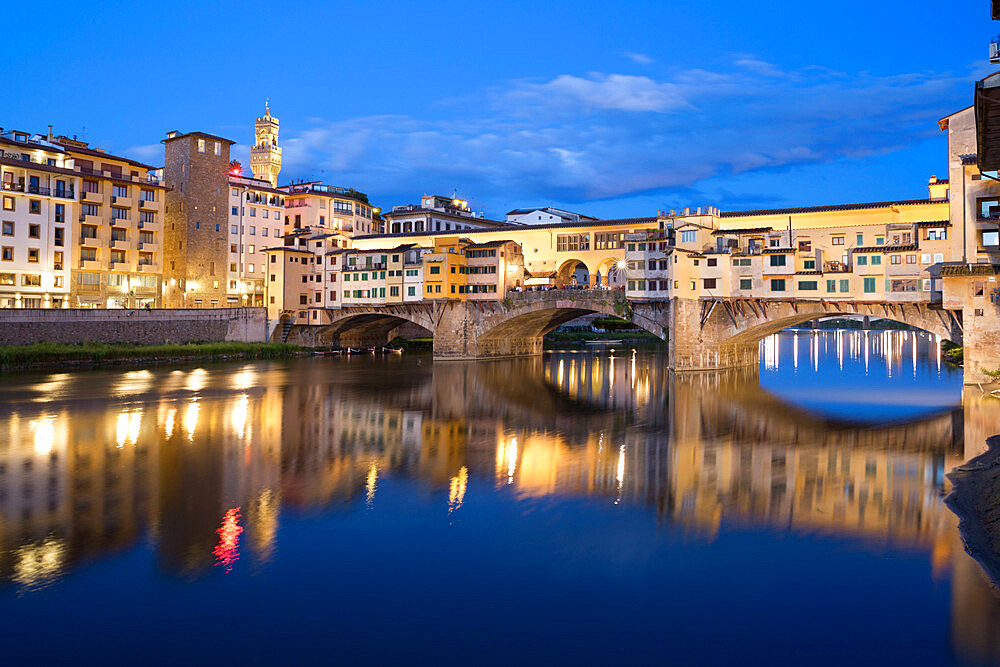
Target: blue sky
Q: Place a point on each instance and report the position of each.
(611, 109)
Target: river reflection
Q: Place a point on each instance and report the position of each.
(618, 466)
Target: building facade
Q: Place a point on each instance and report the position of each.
(196, 234)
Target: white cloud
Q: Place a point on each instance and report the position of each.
(639, 58)
(577, 138)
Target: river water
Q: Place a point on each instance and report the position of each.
(585, 506)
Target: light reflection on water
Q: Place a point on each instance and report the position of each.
(287, 475)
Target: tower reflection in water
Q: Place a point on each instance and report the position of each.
(202, 463)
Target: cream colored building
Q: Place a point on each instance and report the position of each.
(39, 189)
(256, 222)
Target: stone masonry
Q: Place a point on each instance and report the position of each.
(32, 325)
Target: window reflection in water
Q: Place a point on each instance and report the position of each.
(202, 463)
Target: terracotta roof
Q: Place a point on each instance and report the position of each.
(934, 223)
(834, 207)
(70, 148)
(808, 273)
(288, 248)
(744, 230)
(968, 159)
(775, 251)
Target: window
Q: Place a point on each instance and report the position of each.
(936, 234)
(925, 258)
(7, 279)
(60, 213)
(8, 228)
(777, 284)
(218, 148)
(845, 285)
(837, 240)
(876, 260)
(34, 206)
(8, 203)
(861, 239)
(777, 260)
(435, 270)
(911, 259)
(805, 246)
(895, 259)
(991, 238)
(119, 191)
(709, 283)
(7, 253)
(831, 286)
(746, 283)
(90, 209)
(201, 145)
(809, 264)
(712, 261)
(938, 257)
(808, 285)
(879, 240)
(88, 254)
(119, 213)
(572, 242)
(607, 240)
(861, 260)
(57, 260)
(31, 280)
(988, 207)
(689, 237)
(905, 285)
(869, 285)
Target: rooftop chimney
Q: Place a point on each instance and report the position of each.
(50, 133)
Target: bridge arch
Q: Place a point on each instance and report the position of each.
(930, 324)
(363, 327)
(519, 329)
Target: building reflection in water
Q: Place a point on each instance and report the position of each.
(203, 462)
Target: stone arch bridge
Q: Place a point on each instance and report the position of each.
(703, 334)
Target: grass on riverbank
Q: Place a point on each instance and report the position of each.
(413, 344)
(45, 354)
(953, 353)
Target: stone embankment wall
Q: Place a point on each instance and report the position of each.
(70, 325)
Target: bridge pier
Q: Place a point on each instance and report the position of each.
(700, 341)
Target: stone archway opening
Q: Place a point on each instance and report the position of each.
(610, 273)
(369, 329)
(573, 273)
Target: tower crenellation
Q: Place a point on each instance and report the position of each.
(265, 154)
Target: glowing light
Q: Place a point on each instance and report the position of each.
(227, 550)
(127, 428)
(370, 484)
(196, 380)
(191, 419)
(45, 435)
(133, 382)
(456, 489)
(240, 411)
(168, 422)
(37, 565)
(621, 264)
(511, 460)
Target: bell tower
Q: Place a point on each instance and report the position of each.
(265, 156)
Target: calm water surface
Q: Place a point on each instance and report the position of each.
(583, 507)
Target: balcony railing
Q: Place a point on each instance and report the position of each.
(14, 187)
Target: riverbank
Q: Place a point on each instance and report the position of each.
(563, 337)
(53, 355)
(975, 499)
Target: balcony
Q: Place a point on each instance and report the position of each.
(119, 218)
(147, 205)
(90, 242)
(120, 244)
(91, 264)
(92, 197)
(149, 246)
(150, 267)
(90, 219)
(118, 266)
(146, 224)
(14, 187)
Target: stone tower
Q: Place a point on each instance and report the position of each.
(265, 156)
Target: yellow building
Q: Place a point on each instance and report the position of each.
(445, 270)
